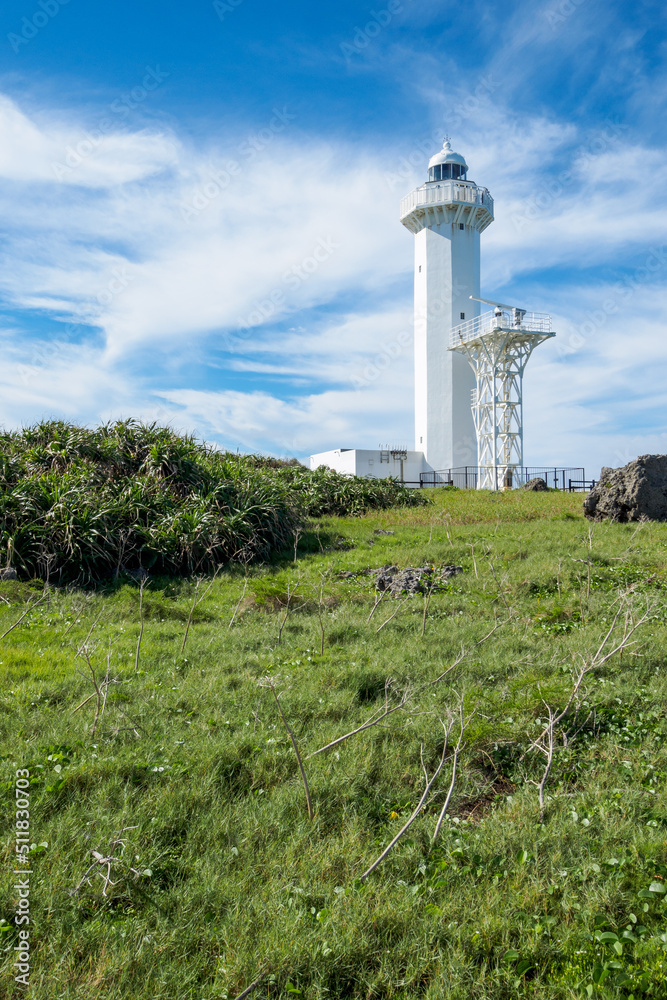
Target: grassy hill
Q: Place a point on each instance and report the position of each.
(148, 721)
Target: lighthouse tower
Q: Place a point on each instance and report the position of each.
(446, 215)
(469, 365)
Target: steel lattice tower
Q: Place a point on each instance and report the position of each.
(498, 345)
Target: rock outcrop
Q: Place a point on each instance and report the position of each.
(535, 484)
(636, 492)
(413, 580)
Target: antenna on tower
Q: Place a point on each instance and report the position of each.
(517, 314)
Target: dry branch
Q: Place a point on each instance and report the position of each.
(268, 682)
(500, 589)
(545, 743)
(253, 986)
(290, 594)
(376, 605)
(427, 601)
(145, 582)
(108, 861)
(406, 697)
(394, 614)
(31, 607)
(372, 721)
(238, 603)
(196, 601)
(418, 808)
(320, 610)
(464, 723)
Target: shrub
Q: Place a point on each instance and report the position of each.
(80, 505)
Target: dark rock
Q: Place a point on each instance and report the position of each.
(413, 580)
(636, 492)
(8, 574)
(381, 531)
(537, 484)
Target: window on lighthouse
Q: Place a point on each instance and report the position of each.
(447, 171)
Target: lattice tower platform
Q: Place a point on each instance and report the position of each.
(498, 344)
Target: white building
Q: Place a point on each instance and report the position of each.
(380, 463)
(446, 215)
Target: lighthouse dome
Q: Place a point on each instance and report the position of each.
(447, 164)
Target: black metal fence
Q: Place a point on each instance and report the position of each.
(466, 477)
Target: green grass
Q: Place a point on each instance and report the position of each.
(242, 884)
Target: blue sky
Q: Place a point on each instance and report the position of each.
(200, 212)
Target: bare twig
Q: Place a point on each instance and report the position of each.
(73, 623)
(297, 535)
(31, 607)
(197, 600)
(394, 614)
(320, 609)
(464, 723)
(269, 683)
(545, 746)
(290, 594)
(601, 657)
(371, 722)
(406, 697)
(145, 582)
(377, 603)
(248, 990)
(134, 726)
(90, 632)
(416, 811)
(500, 589)
(84, 702)
(108, 861)
(238, 604)
(101, 687)
(588, 562)
(427, 601)
(545, 742)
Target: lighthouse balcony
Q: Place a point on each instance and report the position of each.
(516, 322)
(447, 201)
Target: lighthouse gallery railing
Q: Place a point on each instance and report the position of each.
(445, 193)
(528, 322)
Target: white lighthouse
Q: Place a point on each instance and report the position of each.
(447, 214)
(468, 367)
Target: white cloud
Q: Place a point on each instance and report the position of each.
(96, 157)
